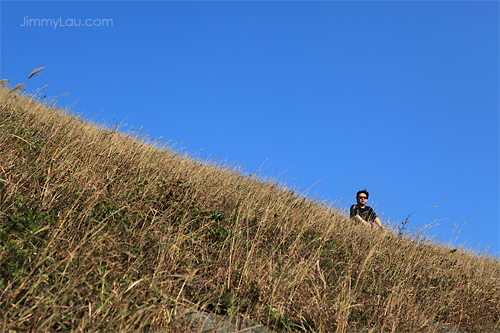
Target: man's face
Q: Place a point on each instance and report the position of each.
(362, 199)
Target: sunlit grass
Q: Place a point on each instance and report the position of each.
(102, 230)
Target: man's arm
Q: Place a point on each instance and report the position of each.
(369, 225)
(352, 212)
(374, 218)
(360, 220)
(377, 221)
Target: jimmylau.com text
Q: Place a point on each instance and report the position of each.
(27, 22)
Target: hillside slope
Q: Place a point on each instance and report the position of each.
(102, 231)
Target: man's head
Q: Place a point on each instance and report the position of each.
(362, 198)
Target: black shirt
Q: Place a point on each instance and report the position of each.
(365, 213)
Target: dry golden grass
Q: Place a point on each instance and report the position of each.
(102, 230)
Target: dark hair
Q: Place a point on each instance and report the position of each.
(362, 191)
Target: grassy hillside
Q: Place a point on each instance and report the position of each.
(102, 231)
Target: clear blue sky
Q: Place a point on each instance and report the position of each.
(400, 98)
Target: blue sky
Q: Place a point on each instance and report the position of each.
(400, 98)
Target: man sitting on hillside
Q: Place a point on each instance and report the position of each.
(362, 213)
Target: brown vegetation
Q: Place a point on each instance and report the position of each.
(102, 230)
